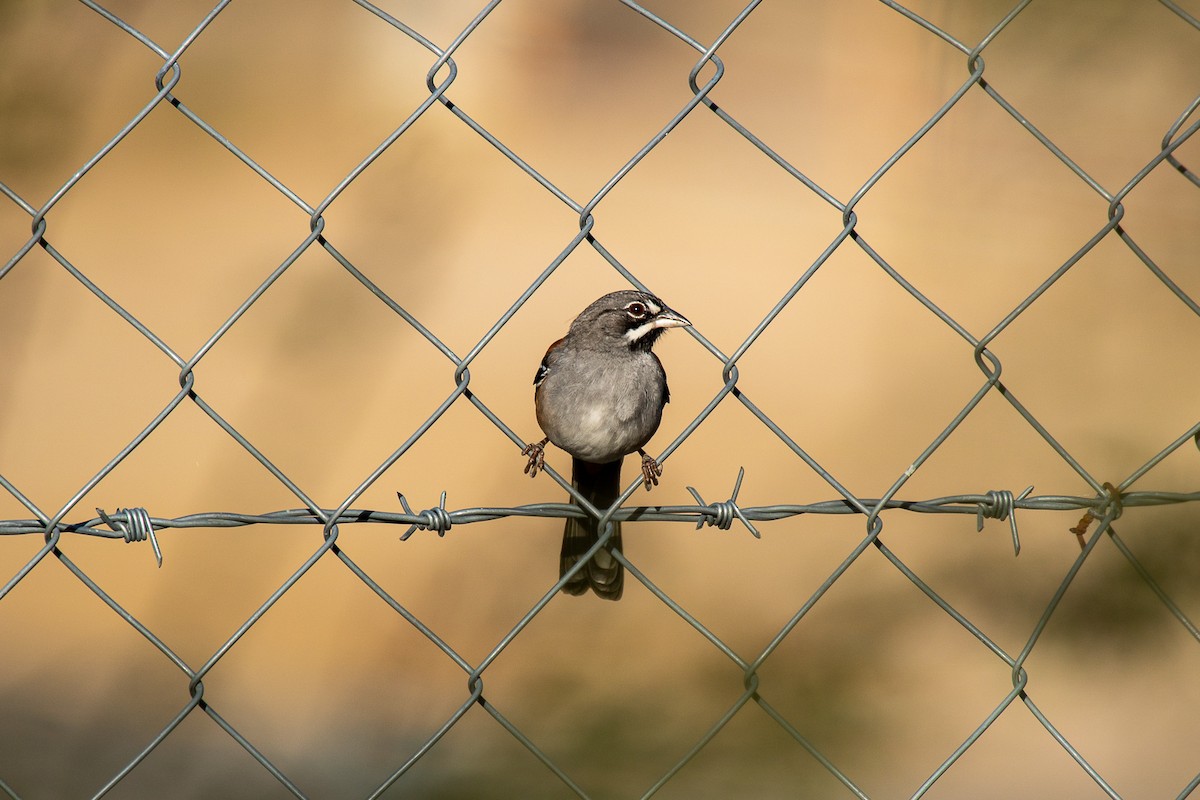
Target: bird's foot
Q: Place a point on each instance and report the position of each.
(650, 470)
(537, 456)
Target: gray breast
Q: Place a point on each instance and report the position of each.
(605, 408)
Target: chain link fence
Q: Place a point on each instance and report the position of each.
(52, 530)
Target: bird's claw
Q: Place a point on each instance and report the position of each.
(537, 457)
(651, 470)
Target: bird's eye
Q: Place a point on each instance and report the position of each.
(636, 310)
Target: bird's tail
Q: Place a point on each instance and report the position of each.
(600, 485)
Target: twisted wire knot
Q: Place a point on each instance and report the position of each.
(431, 519)
(1111, 502)
(723, 513)
(135, 525)
(1001, 505)
(995, 505)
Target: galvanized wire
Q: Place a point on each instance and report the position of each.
(1105, 505)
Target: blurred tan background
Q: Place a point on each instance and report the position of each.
(336, 688)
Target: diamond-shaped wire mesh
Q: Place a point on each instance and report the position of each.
(940, 265)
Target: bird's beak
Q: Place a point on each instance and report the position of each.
(670, 319)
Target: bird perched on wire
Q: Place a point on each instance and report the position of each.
(599, 395)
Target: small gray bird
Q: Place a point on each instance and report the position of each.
(599, 395)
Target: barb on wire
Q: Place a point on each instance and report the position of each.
(722, 514)
(135, 525)
(1001, 505)
(432, 519)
